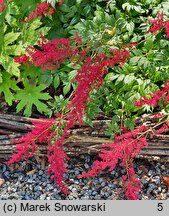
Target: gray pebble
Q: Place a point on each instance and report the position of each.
(40, 172)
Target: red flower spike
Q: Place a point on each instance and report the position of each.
(41, 9)
(22, 59)
(124, 148)
(166, 25)
(2, 6)
(154, 97)
(164, 128)
(156, 24)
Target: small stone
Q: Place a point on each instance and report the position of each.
(158, 171)
(100, 180)
(103, 184)
(94, 193)
(145, 179)
(163, 167)
(21, 178)
(86, 166)
(1, 181)
(30, 180)
(113, 172)
(150, 173)
(37, 195)
(102, 193)
(159, 189)
(77, 172)
(71, 180)
(13, 196)
(76, 182)
(74, 190)
(6, 175)
(40, 172)
(97, 197)
(49, 187)
(151, 188)
(37, 188)
(156, 179)
(34, 176)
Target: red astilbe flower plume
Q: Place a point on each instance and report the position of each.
(124, 148)
(155, 97)
(89, 77)
(51, 54)
(57, 165)
(42, 9)
(26, 145)
(131, 183)
(158, 23)
(22, 59)
(166, 25)
(2, 5)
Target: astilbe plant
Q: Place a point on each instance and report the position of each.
(50, 55)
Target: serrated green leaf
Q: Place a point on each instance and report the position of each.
(129, 123)
(6, 86)
(29, 34)
(10, 38)
(32, 95)
(15, 50)
(9, 65)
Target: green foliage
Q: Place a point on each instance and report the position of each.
(14, 39)
(7, 86)
(31, 95)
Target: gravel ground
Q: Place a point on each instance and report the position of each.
(30, 182)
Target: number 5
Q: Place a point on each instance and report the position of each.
(160, 207)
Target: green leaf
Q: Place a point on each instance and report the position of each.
(32, 95)
(134, 60)
(149, 44)
(129, 123)
(10, 38)
(9, 65)
(66, 88)
(72, 75)
(130, 27)
(6, 86)
(56, 81)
